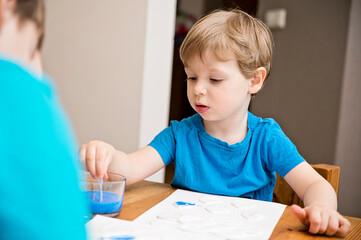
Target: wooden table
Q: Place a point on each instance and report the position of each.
(143, 195)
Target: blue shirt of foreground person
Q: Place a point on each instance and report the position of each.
(40, 195)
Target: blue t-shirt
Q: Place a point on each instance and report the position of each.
(40, 193)
(245, 169)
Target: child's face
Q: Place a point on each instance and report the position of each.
(217, 90)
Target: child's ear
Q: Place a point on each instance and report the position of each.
(257, 80)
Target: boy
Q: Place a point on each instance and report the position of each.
(224, 149)
(37, 147)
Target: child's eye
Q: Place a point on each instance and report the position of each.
(192, 78)
(215, 80)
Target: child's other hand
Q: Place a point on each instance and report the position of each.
(321, 220)
(97, 156)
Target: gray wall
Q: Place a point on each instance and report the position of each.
(304, 88)
(348, 150)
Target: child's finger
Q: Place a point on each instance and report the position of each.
(90, 160)
(344, 225)
(315, 220)
(99, 162)
(325, 219)
(106, 164)
(82, 153)
(300, 214)
(332, 225)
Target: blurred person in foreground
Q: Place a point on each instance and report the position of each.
(39, 185)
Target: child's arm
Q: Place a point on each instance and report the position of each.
(101, 157)
(320, 211)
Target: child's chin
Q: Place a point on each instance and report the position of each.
(207, 117)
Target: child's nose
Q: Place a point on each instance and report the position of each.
(200, 88)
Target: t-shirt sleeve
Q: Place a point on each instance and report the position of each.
(282, 154)
(164, 143)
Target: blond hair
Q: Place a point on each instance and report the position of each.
(247, 39)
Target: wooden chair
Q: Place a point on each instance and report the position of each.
(284, 194)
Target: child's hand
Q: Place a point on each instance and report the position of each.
(322, 220)
(97, 156)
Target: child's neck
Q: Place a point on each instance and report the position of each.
(230, 131)
(18, 40)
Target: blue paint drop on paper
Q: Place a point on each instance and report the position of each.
(183, 204)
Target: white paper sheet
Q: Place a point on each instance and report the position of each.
(214, 217)
(106, 228)
(205, 217)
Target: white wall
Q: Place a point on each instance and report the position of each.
(110, 68)
(158, 62)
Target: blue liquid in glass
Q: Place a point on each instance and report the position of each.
(104, 202)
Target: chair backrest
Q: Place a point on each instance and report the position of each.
(284, 194)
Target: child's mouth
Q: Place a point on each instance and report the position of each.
(201, 108)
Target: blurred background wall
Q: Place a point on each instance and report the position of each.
(348, 141)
